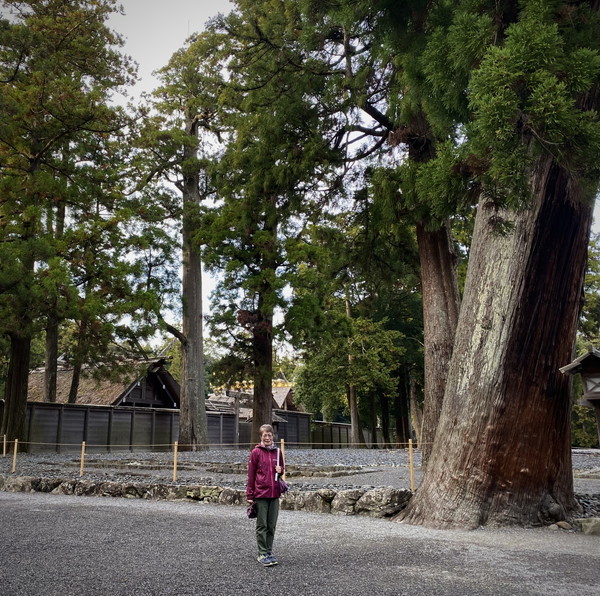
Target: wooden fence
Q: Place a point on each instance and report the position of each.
(337, 435)
(63, 427)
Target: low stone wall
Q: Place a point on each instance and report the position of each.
(383, 502)
(376, 502)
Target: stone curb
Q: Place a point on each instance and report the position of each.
(383, 502)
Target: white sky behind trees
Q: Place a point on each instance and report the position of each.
(155, 29)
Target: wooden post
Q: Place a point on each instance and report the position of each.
(175, 445)
(4, 446)
(283, 455)
(82, 458)
(14, 466)
(410, 466)
(236, 420)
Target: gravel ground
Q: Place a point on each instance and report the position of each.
(58, 545)
(308, 469)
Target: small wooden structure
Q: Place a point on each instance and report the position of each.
(588, 366)
(152, 386)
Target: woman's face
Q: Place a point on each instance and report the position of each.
(267, 438)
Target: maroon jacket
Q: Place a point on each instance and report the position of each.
(261, 474)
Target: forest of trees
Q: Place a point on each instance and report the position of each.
(401, 193)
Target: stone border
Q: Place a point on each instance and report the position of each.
(383, 502)
(377, 502)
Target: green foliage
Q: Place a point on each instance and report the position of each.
(273, 155)
(74, 244)
(525, 96)
(589, 320)
(584, 427)
(366, 259)
(453, 46)
(364, 357)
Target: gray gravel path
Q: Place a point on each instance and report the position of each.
(72, 546)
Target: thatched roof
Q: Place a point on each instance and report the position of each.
(146, 383)
(91, 391)
(283, 397)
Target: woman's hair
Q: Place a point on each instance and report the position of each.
(265, 428)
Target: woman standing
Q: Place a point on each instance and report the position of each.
(263, 490)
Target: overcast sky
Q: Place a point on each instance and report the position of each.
(155, 29)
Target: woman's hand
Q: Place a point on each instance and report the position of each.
(278, 469)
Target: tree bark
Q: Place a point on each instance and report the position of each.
(15, 391)
(262, 328)
(78, 360)
(17, 378)
(502, 453)
(384, 406)
(193, 424)
(51, 365)
(439, 288)
(416, 412)
(373, 413)
(262, 355)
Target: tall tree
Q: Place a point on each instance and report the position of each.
(269, 169)
(371, 54)
(59, 65)
(176, 147)
(55, 224)
(502, 450)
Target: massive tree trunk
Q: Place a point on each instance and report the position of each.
(193, 423)
(502, 453)
(439, 287)
(15, 392)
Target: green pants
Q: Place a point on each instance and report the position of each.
(267, 511)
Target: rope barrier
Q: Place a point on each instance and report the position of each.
(176, 447)
(185, 446)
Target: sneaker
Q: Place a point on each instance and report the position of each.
(265, 560)
(274, 561)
